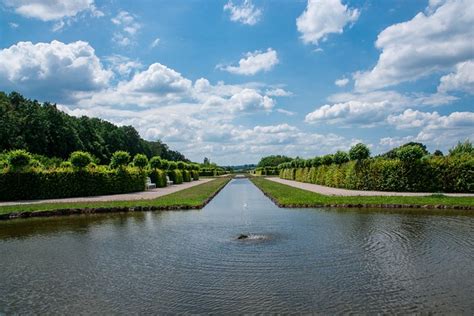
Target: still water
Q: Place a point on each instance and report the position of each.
(298, 260)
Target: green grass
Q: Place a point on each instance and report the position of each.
(288, 196)
(191, 197)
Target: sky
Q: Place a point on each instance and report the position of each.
(238, 80)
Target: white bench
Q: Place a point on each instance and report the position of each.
(149, 184)
(168, 181)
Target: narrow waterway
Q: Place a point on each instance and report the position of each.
(297, 260)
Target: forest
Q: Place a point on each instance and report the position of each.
(42, 129)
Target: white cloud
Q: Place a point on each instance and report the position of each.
(53, 68)
(51, 10)
(245, 13)
(13, 25)
(278, 92)
(324, 17)
(460, 80)
(430, 42)
(341, 82)
(254, 63)
(286, 112)
(128, 28)
(123, 66)
(437, 131)
(155, 42)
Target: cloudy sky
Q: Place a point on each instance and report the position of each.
(236, 80)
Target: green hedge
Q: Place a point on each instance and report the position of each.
(66, 182)
(209, 172)
(431, 174)
(176, 176)
(266, 171)
(195, 175)
(158, 177)
(186, 175)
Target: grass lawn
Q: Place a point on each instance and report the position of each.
(288, 196)
(193, 197)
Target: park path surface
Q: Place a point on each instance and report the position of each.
(143, 195)
(321, 189)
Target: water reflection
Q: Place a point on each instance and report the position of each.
(326, 261)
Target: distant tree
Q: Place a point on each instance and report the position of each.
(206, 161)
(327, 159)
(340, 157)
(438, 153)
(410, 153)
(273, 161)
(392, 154)
(359, 152)
(462, 148)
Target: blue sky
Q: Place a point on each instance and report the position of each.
(237, 80)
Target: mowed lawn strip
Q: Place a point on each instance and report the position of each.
(191, 197)
(289, 196)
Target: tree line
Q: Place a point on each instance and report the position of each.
(40, 128)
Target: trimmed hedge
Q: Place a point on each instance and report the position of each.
(158, 177)
(176, 176)
(430, 174)
(66, 182)
(210, 172)
(186, 175)
(195, 174)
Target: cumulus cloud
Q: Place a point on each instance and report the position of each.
(128, 28)
(438, 131)
(430, 42)
(52, 9)
(462, 79)
(324, 17)
(253, 63)
(341, 82)
(123, 66)
(245, 13)
(54, 68)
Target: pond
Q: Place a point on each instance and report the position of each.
(297, 260)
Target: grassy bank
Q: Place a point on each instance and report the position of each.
(287, 196)
(192, 198)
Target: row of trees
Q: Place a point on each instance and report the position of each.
(43, 129)
(406, 168)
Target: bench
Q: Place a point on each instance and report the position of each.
(149, 185)
(168, 181)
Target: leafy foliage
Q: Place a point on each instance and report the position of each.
(140, 161)
(43, 129)
(119, 159)
(18, 159)
(462, 148)
(359, 152)
(80, 159)
(273, 161)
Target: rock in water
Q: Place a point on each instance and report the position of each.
(242, 236)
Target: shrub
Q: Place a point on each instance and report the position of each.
(340, 157)
(316, 162)
(165, 164)
(173, 165)
(195, 174)
(186, 176)
(120, 159)
(359, 152)
(158, 177)
(19, 159)
(62, 182)
(180, 165)
(65, 164)
(140, 161)
(80, 159)
(327, 159)
(410, 153)
(462, 148)
(176, 176)
(156, 162)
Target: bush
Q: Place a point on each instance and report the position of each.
(340, 157)
(186, 175)
(140, 161)
(327, 159)
(409, 154)
(173, 165)
(158, 177)
(80, 159)
(359, 152)
(462, 148)
(61, 183)
(156, 163)
(195, 174)
(119, 159)
(180, 165)
(19, 159)
(165, 164)
(176, 176)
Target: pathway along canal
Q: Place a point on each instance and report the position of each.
(298, 260)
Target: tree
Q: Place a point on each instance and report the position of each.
(462, 148)
(120, 159)
(410, 153)
(392, 154)
(140, 161)
(80, 159)
(273, 161)
(359, 152)
(340, 157)
(327, 159)
(438, 153)
(156, 163)
(206, 161)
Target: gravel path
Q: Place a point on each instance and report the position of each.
(144, 195)
(321, 189)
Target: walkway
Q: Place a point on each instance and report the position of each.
(143, 195)
(321, 189)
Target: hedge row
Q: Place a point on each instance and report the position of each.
(158, 177)
(65, 182)
(434, 174)
(210, 172)
(176, 176)
(266, 171)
